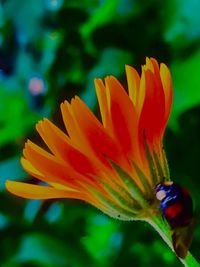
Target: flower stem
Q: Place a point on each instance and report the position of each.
(161, 226)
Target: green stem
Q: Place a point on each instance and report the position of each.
(163, 229)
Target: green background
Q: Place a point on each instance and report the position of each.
(58, 47)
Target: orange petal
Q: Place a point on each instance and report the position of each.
(73, 129)
(31, 191)
(123, 116)
(141, 93)
(70, 123)
(156, 74)
(28, 167)
(50, 166)
(43, 161)
(60, 145)
(152, 114)
(55, 170)
(98, 139)
(68, 119)
(103, 104)
(155, 65)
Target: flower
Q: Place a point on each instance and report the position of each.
(114, 165)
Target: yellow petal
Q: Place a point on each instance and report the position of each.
(133, 80)
(31, 191)
(28, 167)
(149, 65)
(103, 105)
(167, 87)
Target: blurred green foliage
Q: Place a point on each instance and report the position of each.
(51, 50)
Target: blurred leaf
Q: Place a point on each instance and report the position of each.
(107, 12)
(31, 209)
(14, 119)
(103, 239)
(182, 26)
(84, 4)
(10, 169)
(48, 45)
(186, 83)
(3, 221)
(54, 213)
(27, 23)
(54, 5)
(51, 252)
(157, 248)
(103, 14)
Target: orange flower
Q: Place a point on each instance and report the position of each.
(114, 165)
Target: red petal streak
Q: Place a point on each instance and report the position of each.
(60, 145)
(102, 144)
(152, 114)
(123, 116)
(54, 169)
